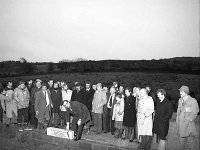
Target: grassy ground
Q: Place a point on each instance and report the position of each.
(8, 140)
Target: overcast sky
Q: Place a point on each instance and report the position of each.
(52, 30)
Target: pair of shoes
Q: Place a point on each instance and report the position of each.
(123, 138)
(28, 129)
(7, 125)
(130, 141)
(140, 147)
(99, 132)
(112, 133)
(20, 129)
(76, 139)
(116, 136)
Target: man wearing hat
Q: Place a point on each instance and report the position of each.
(186, 113)
(43, 105)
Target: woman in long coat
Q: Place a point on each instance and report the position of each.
(129, 119)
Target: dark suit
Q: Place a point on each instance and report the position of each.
(33, 119)
(109, 124)
(89, 97)
(79, 96)
(56, 97)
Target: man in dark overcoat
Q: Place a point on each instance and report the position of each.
(79, 94)
(43, 105)
(129, 119)
(163, 114)
(56, 97)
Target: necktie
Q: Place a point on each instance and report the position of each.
(45, 95)
(110, 103)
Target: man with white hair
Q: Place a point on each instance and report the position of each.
(97, 108)
(186, 114)
(145, 121)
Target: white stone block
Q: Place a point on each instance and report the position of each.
(62, 133)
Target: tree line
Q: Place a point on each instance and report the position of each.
(185, 65)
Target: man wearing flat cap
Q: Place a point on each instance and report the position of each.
(186, 114)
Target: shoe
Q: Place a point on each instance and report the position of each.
(76, 139)
(20, 129)
(28, 129)
(116, 136)
(112, 133)
(99, 132)
(140, 147)
(123, 138)
(130, 141)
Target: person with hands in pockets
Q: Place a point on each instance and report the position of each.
(186, 114)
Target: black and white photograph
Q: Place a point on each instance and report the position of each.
(100, 74)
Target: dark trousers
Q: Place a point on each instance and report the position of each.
(55, 119)
(146, 142)
(77, 129)
(106, 126)
(109, 122)
(63, 118)
(129, 132)
(97, 122)
(22, 114)
(33, 119)
(1, 114)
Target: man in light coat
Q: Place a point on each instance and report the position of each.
(11, 106)
(186, 113)
(22, 97)
(145, 121)
(3, 98)
(97, 108)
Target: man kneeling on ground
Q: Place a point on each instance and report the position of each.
(80, 115)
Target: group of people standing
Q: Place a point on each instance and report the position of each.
(129, 114)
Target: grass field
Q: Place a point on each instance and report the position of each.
(171, 82)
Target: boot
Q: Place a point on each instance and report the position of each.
(120, 133)
(40, 126)
(20, 126)
(117, 136)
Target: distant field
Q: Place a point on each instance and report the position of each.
(171, 82)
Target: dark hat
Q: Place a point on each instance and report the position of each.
(185, 89)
